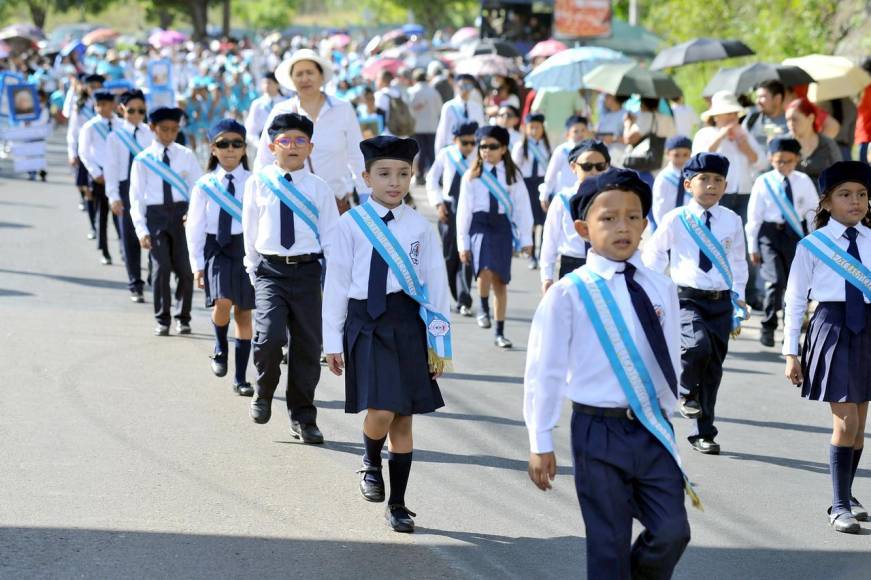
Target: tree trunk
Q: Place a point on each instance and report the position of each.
(38, 12)
(199, 18)
(226, 21)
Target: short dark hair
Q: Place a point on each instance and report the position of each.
(773, 86)
(370, 162)
(420, 76)
(385, 76)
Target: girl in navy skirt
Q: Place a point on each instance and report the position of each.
(531, 155)
(214, 236)
(494, 217)
(835, 363)
(374, 329)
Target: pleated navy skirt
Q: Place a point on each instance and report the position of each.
(386, 364)
(225, 275)
(82, 175)
(538, 214)
(492, 244)
(835, 362)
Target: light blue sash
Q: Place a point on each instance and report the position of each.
(290, 195)
(126, 137)
(672, 178)
(565, 199)
(715, 252)
(787, 209)
(503, 198)
(626, 362)
(837, 258)
(87, 112)
(102, 129)
(538, 153)
(438, 328)
(165, 172)
(458, 161)
(219, 194)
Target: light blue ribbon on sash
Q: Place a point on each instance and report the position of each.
(837, 258)
(503, 198)
(87, 112)
(627, 364)
(290, 195)
(165, 172)
(126, 137)
(566, 203)
(707, 243)
(220, 195)
(785, 206)
(537, 152)
(458, 161)
(438, 328)
(668, 177)
(102, 129)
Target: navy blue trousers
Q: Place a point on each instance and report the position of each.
(777, 244)
(130, 248)
(169, 255)
(622, 472)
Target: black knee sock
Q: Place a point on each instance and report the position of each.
(221, 338)
(485, 305)
(857, 454)
(841, 464)
(372, 455)
(243, 351)
(500, 328)
(400, 468)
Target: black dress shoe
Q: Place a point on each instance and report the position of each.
(243, 389)
(219, 364)
(308, 433)
(137, 297)
(261, 410)
(182, 327)
(766, 337)
(161, 330)
(371, 490)
(399, 518)
(706, 446)
(689, 408)
(106, 260)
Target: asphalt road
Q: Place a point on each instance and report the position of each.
(123, 456)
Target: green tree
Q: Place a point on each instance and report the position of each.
(264, 14)
(432, 14)
(40, 9)
(165, 13)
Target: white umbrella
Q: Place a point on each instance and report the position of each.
(565, 70)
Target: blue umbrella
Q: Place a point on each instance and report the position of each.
(413, 29)
(565, 70)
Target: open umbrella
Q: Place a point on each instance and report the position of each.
(491, 46)
(465, 35)
(546, 48)
(100, 35)
(487, 65)
(699, 50)
(413, 29)
(566, 70)
(163, 38)
(26, 31)
(744, 79)
(375, 66)
(835, 76)
(339, 40)
(625, 79)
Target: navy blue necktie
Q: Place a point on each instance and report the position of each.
(704, 261)
(466, 111)
(652, 328)
(534, 161)
(855, 308)
(288, 235)
(494, 205)
(376, 301)
(787, 187)
(454, 191)
(225, 220)
(679, 197)
(167, 188)
(130, 162)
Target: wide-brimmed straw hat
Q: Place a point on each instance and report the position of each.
(282, 73)
(722, 103)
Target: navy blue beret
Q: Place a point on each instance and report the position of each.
(465, 129)
(226, 126)
(844, 171)
(706, 163)
(575, 119)
(289, 122)
(165, 114)
(614, 178)
(493, 132)
(94, 78)
(104, 96)
(270, 76)
(785, 144)
(465, 77)
(589, 145)
(534, 118)
(678, 142)
(389, 147)
(128, 96)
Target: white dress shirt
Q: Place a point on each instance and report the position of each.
(811, 279)
(475, 197)
(763, 208)
(92, 144)
(336, 156)
(559, 174)
(741, 171)
(261, 219)
(566, 359)
(453, 115)
(665, 192)
(524, 163)
(671, 235)
(259, 111)
(441, 175)
(77, 120)
(146, 187)
(559, 237)
(348, 269)
(117, 166)
(204, 212)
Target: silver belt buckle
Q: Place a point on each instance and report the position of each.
(287, 260)
(629, 414)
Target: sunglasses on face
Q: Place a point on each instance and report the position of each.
(506, 115)
(235, 144)
(592, 166)
(489, 146)
(469, 143)
(286, 142)
(136, 111)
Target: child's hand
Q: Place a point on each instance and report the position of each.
(526, 251)
(443, 213)
(542, 469)
(145, 242)
(118, 208)
(201, 279)
(544, 205)
(336, 363)
(466, 257)
(545, 286)
(793, 370)
(755, 258)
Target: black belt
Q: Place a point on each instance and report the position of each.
(300, 259)
(616, 412)
(781, 226)
(696, 294)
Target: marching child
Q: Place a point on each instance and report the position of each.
(531, 155)
(81, 110)
(160, 183)
(623, 447)
(508, 117)
(559, 174)
(830, 268)
(780, 204)
(703, 244)
(214, 236)
(494, 219)
(668, 189)
(386, 319)
(288, 219)
(560, 239)
(443, 189)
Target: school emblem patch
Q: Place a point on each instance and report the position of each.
(414, 253)
(660, 312)
(727, 243)
(438, 327)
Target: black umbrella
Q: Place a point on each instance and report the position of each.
(699, 50)
(492, 46)
(746, 78)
